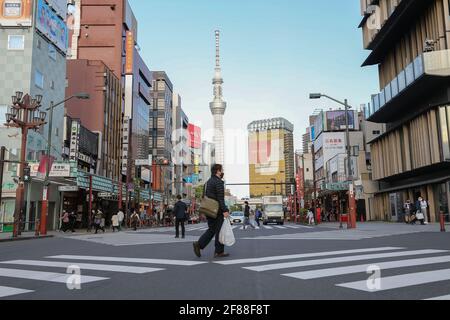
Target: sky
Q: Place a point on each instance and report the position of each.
(273, 54)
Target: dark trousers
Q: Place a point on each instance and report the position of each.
(177, 227)
(214, 227)
(99, 227)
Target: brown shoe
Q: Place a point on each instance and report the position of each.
(197, 250)
(221, 255)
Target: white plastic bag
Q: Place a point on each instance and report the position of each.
(226, 235)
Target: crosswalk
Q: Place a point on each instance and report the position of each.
(58, 269)
(333, 265)
(204, 227)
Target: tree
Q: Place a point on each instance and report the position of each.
(199, 191)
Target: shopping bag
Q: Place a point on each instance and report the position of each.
(226, 235)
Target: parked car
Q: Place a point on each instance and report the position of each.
(237, 217)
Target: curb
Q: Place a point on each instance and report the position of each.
(26, 238)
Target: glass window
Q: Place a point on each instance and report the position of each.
(3, 111)
(51, 52)
(39, 79)
(161, 86)
(16, 42)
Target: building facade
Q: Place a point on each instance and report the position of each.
(410, 44)
(161, 129)
(33, 61)
(271, 157)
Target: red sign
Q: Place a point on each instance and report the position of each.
(195, 135)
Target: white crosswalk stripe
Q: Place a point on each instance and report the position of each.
(307, 255)
(280, 227)
(83, 266)
(8, 291)
(402, 281)
(44, 276)
(383, 260)
(443, 298)
(338, 271)
(296, 264)
(268, 227)
(129, 260)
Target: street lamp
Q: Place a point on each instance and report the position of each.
(351, 204)
(44, 210)
(21, 115)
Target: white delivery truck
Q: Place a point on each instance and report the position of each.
(273, 210)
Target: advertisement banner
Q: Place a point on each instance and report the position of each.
(52, 26)
(129, 49)
(16, 12)
(46, 162)
(195, 134)
(59, 170)
(336, 120)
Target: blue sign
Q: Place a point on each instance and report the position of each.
(52, 26)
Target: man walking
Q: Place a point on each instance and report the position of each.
(180, 212)
(215, 189)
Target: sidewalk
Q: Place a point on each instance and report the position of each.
(387, 227)
(7, 236)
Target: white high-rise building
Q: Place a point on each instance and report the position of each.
(218, 107)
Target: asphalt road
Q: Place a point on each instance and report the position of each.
(288, 263)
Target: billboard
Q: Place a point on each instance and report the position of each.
(319, 125)
(195, 136)
(335, 120)
(52, 26)
(16, 12)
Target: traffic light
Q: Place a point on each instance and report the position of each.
(26, 174)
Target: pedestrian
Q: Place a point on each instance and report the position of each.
(258, 216)
(120, 217)
(142, 216)
(214, 189)
(72, 221)
(115, 223)
(135, 220)
(247, 216)
(310, 217)
(180, 211)
(423, 204)
(421, 211)
(98, 221)
(408, 209)
(64, 221)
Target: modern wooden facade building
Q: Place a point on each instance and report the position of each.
(410, 42)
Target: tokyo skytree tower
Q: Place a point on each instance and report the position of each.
(218, 107)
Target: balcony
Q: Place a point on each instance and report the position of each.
(426, 72)
(392, 29)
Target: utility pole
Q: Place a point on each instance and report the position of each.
(351, 196)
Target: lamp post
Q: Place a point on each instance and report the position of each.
(352, 201)
(23, 114)
(44, 210)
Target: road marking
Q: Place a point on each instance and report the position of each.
(443, 298)
(8, 291)
(280, 227)
(130, 260)
(306, 255)
(324, 273)
(44, 276)
(293, 227)
(86, 266)
(268, 227)
(402, 281)
(296, 264)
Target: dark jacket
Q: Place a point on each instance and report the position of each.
(247, 211)
(179, 210)
(215, 189)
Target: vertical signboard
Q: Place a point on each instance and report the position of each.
(129, 51)
(125, 144)
(16, 12)
(74, 140)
